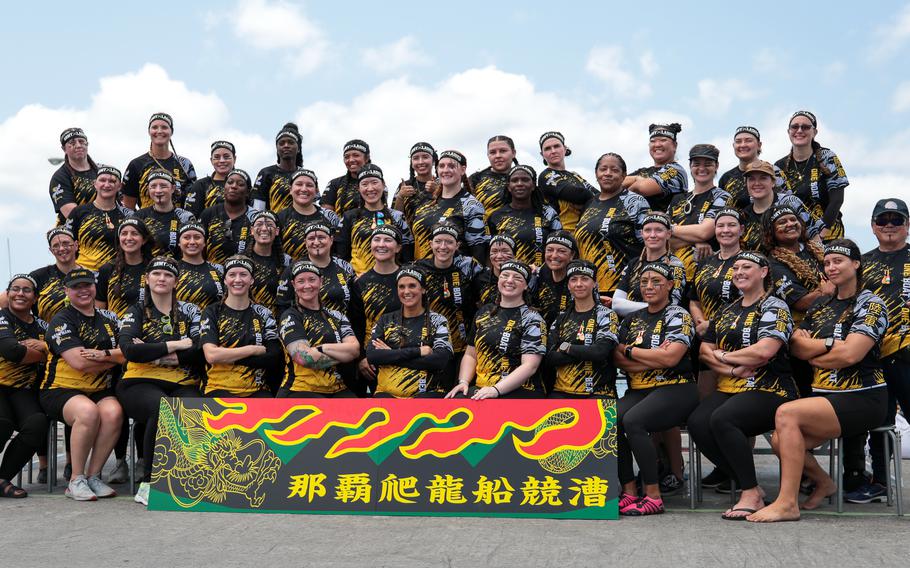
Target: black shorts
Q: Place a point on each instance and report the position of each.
(287, 393)
(53, 400)
(859, 411)
(228, 394)
(577, 396)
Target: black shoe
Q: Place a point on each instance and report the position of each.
(714, 478)
(725, 487)
(670, 484)
(42, 475)
(68, 472)
(853, 480)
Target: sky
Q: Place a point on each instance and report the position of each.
(450, 74)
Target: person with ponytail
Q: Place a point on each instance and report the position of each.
(95, 224)
(303, 210)
(760, 176)
(420, 186)
(488, 185)
(272, 189)
(410, 347)
(227, 225)
(525, 216)
(161, 156)
(453, 203)
(746, 345)
(566, 191)
(550, 289)
(200, 282)
(269, 260)
(163, 218)
(317, 340)
(121, 282)
(841, 338)
(666, 178)
(73, 182)
(209, 190)
(815, 175)
(502, 248)
(342, 193)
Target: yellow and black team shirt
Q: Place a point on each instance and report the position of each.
(672, 179)
(70, 329)
(462, 210)
(12, 331)
(353, 240)
(737, 327)
(403, 371)
(200, 284)
(225, 236)
(501, 336)
(812, 180)
(528, 228)
(380, 296)
(164, 227)
(752, 230)
(51, 292)
(733, 181)
(135, 178)
(226, 327)
(887, 275)
(587, 367)
(631, 277)
(830, 317)
(490, 188)
(314, 328)
(452, 293)
(342, 193)
(273, 187)
(548, 296)
(154, 328)
(267, 271)
(487, 285)
(644, 330)
(96, 232)
(713, 286)
(568, 193)
(121, 290)
(291, 225)
(609, 235)
(204, 193)
(411, 204)
(337, 293)
(692, 209)
(788, 286)
(71, 186)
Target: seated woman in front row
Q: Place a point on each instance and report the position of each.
(410, 346)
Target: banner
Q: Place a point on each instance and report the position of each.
(512, 458)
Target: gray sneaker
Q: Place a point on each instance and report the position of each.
(100, 488)
(142, 494)
(79, 489)
(120, 474)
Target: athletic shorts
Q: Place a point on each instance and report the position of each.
(53, 400)
(859, 411)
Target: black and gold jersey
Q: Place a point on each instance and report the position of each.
(462, 210)
(200, 284)
(135, 178)
(120, 290)
(314, 328)
(500, 337)
(812, 180)
(737, 327)
(164, 226)
(487, 285)
(51, 292)
(225, 327)
(644, 330)
(452, 293)
(403, 371)
(71, 186)
(528, 228)
(586, 368)
(609, 235)
(204, 193)
(791, 286)
(692, 209)
(733, 181)
(380, 296)
(356, 232)
(548, 296)
(713, 286)
(267, 271)
(13, 373)
(672, 179)
(631, 276)
(342, 193)
(887, 275)
(409, 205)
(568, 193)
(490, 189)
(273, 187)
(337, 291)
(292, 224)
(831, 317)
(225, 236)
(70, 329)
(153, 328)
(96, 232)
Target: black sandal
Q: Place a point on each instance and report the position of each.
(10, 491)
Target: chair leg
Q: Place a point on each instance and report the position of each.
(698, 489)
(888, 439)
(693, 481)
(840, 475)
(898, 476)
(51, 456)
(131, 457)
(31, 463)
(732, 492)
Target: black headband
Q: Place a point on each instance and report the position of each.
(25, 277)
(454, 155)
(267, 214)
(561, 239)
(729, 212)
(191, 227)
(71, 133)
(516, 266)
(303, 172)
(162, 116)
(657, 218)
(110, 170)
(317, 226)
(806, 114)
(522, 168)
(370, 171)
(304, 266)
(163, 264)
(358, 145)
(410, 272)
(751, 256)
(133, 222)
(849, 252)
(780, 211)
(223, 144)
(503, 238)
(241, 173)
(551, 134)
(445, 230)
(660, 268)
(288, 133)
(160, 174)
(389, 231)
(57, 231)
(581, 267)
(748, 130)
(238, 262)
(422, 147)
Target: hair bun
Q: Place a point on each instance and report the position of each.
(675, 127)
(290, 126)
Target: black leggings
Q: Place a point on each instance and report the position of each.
(722, 425)
(141, 399)
(20, 412)
(643, 411)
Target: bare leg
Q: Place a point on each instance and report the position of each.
(750, 499)
(824, 485)
(82, 414)
(109, 431)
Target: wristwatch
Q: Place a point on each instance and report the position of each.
(319, 348)
(564, 347)
(829, 343)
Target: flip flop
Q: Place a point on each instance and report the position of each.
(727, 517)
(10, 491)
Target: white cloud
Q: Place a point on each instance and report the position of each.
(281, 26)
(649, 66)
(767, 60)
(395, 56)
(607, 63)
(900, 101)
(716, 96)
(889, 38)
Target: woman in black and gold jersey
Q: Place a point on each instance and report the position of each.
(747, 148)
(815, 175)
(209, 190)
(550, 290)
(200, 282)
(342, 193)
(78, 386)
(566, 191)
(73, 182)
(488, 185)
(162, 218)
(49, 279)
(160, 342)
(524, 216)
(269, 260)
(609, 230)
(239, 339)
(161, 156)
(379, 286)
(653, 349)
(357, 224)
(760, 183)
(271, 189)
(121, 282)
(227, 226)
(410, 346)
(95, 224)
(304, 189)
(666, 178)
(581, 340)
(316, 339)
(841, 338)
(22, 357)
(502, 248)
(746, 345)
(420, 185)
(712, 288)
(506, 344)
(452, 203)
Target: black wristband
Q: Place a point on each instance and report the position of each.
(498, 394)
(628, 352)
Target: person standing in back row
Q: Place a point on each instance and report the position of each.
(161, 156)
(342, 193)
(73, 182)
(566, 191)
(666, 178)
(272, 189)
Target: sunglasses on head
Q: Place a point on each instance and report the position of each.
(885, 220)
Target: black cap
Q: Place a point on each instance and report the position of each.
(709, 151)
(79, 275)
(891, 205)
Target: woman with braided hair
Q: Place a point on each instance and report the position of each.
(271, 190)
(421, 185)
(121, 282)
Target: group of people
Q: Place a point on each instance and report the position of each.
(734, 307)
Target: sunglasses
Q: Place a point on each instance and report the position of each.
(166, 326)
(803, 127)
(885, 220)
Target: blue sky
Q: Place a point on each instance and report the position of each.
(450, 74)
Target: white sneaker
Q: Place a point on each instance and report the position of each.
(79, 489)
(142, 494)
(100, 488)
(120, 474)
